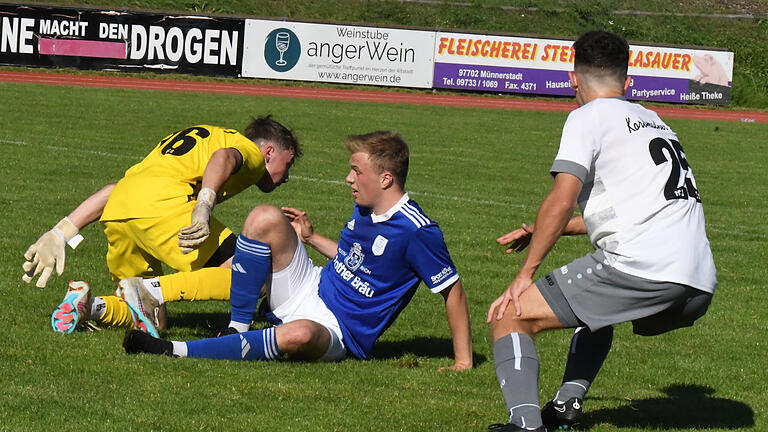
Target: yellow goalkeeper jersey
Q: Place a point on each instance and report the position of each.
(172, 173)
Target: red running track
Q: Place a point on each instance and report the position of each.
(378, 96)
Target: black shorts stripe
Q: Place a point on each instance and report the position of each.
(225, 251)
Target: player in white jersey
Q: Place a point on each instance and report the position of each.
(386, 249)
(652, 264)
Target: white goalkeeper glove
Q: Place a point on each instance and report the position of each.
(47, 252)
(192, 236)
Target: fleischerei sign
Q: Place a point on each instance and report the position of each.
(540, 66)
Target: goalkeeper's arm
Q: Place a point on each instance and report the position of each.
(223, 163)
(48, 252)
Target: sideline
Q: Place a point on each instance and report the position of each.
(355, 95)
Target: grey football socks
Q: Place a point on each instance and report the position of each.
(585, 358)
(517, 368)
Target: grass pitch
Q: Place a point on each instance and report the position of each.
(479, 173)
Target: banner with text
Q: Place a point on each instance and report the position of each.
(338, 53)
(84, 38)
(103, 39)
(540, 66)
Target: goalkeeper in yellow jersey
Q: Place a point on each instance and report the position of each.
(177, 184)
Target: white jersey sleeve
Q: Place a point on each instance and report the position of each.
(578, 146)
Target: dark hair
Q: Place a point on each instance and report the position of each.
(266, 129)
(387, 151)
(601, 53)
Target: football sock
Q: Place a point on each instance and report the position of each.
(251, 345)
(97, 308)
(152, 285)
(517, 368)
(585, 358)
(180, 349)
(204, 284)
(136, 341)
(115, 312)
(251, 265)
(240, 327)
(210, 283)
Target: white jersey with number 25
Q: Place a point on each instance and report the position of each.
(639, 199)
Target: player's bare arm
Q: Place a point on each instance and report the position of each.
(223, 163)
(91, 209)
(553, 218)
(518, 240)
(576, 226)
(48, 252)
(303, 227)
(457, 313)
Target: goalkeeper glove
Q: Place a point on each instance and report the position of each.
(192, 236)
(47, 252)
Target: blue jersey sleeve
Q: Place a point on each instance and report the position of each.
(428, 256)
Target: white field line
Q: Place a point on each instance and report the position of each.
(429, 194)
(98, 153)
(303, 178)
(740, 230)
(5, 141)
(67, 149)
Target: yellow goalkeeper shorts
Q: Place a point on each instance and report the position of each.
(138, 247)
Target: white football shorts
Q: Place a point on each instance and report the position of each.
(293, 295)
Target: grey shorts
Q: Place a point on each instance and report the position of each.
(589, 292)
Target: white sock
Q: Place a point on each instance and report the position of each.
(98, 306)
(153, 286)
(179, 348)
(240, 327)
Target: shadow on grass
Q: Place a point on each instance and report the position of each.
(420, 347)
(686, 406)
(201, 323)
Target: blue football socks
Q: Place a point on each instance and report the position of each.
(251, 265)
(251, 345)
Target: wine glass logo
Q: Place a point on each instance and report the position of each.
(282, 49)
(282, 42)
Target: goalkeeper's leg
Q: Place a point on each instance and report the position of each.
(204, 284)
(211, 283)
(125, 258)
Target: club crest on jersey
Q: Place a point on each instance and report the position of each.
(379, 244)
(355, 257)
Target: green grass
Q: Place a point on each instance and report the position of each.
(747, 38)
(480, 173)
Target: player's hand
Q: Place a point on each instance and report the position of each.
(518, 239)
(511, 294)
(42, 257)
(300, 222)
(195, 234)
(47, 253)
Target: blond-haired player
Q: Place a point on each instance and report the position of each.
(386, 249)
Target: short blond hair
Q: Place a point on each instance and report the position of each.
(387, 151)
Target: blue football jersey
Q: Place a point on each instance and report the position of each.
(378, 265)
